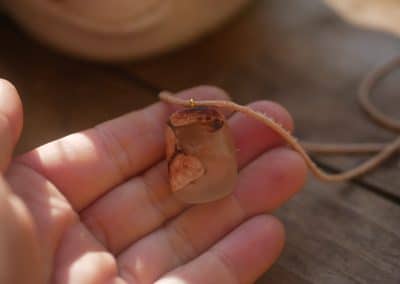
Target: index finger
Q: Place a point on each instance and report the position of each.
(87, 164)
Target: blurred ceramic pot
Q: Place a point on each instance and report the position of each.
(119, 29)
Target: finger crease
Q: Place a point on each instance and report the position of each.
(180, 244)
(227, 264)
(152, 199)
(128, 273)
(112, 145)
(98, 230)
(242, 212)
(153, 122)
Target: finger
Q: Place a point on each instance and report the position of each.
(241, 257)
(81, 259)
(10, 121)
(87, 164)
(263, 186)
(147, 199)
(51, 213)
(19, 253)
(254, 137)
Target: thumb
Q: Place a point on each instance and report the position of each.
(10, 121)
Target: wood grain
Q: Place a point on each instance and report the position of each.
(339, 234)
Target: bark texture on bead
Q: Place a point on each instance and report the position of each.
(201, 155)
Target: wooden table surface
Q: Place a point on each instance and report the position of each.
(299, 53)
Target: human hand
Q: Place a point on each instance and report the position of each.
(96, 205)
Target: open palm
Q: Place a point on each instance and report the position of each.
(99, 209)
